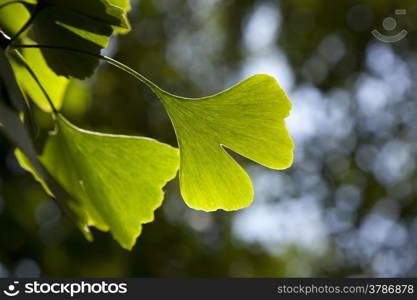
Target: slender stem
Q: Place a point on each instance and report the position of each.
(133, 73)
(51, 104)
(157, 90)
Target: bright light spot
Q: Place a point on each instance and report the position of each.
(290, 222)
(261, 29)
(274, 64)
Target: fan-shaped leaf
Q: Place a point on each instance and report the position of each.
(117, 179)
(247, 118)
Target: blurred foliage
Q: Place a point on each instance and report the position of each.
(348, 205)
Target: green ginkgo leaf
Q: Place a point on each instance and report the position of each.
(126, 7)
(84, 25)
(64, 28)
(248, 119)
(117, 179)
(111, 12)
(71, 206)
(13, 16)
(12, 126)
(54, 85)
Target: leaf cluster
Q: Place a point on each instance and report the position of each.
(115, 182)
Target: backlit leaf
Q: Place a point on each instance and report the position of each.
(84, 25)
(13, 127)
(68, 204)
(13, 17)
(54, 85)
(57, 26)
(125, 6)
(111, 12)
(117, 179)
(247, 118)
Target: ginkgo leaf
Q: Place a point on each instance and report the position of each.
(13, 127)
(125, 6)
(248, 119)
(84, 25)
(64, 28)
(117, 179)
(112, 12)
(9, 22)
(70, 205)
(15, 130)
(54, 85)
(24, 162)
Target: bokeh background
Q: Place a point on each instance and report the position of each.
(348, 205)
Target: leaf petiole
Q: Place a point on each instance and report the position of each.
(156, 89)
